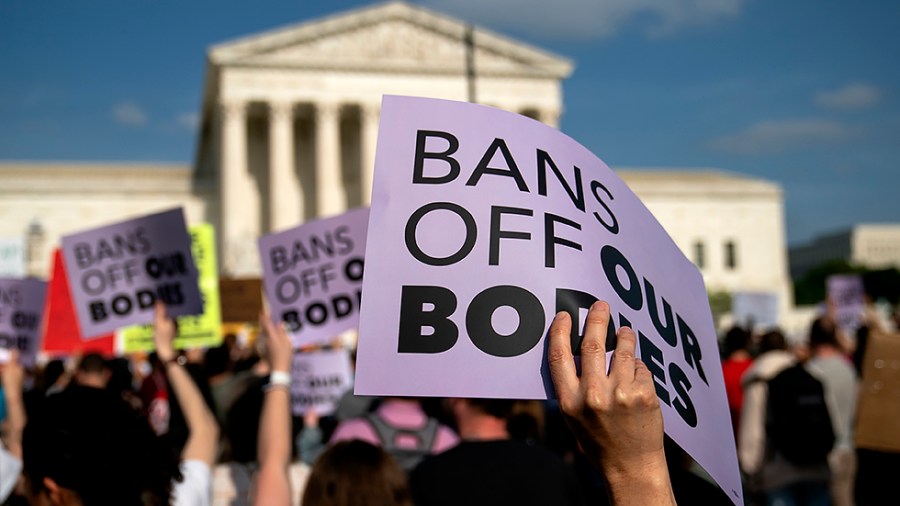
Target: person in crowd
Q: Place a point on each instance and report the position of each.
(92, 371)
(615, 416)
(769, 472)
(834, 370)
(274, 448)
(488, 467)
(356, 473)
(199, 453)
(402, 428)
(87, 446)
(12, 376)
(737, 359)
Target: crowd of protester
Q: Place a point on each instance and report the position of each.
(215, 427)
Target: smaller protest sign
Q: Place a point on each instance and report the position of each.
(241, 299)
(194, 331)
(755, 309)
(878, 411)
(313, 273)
(319, 379)
(21, 316)
(119, 271)
(12, 257)
(846, 295)
(61, 333)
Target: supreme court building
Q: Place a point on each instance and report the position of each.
(289, 121)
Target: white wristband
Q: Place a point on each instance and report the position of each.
(280, 378)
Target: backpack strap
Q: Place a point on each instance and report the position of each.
(387, 433)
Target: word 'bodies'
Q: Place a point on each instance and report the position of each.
(118, 272)
(194, 331)
(21, 314)
(318, 380)
(486, 224)
(312, 275)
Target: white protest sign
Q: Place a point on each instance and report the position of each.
(319, 379)
(484, 224)
(117, 272)
(756, 309)
(846, 294)
(21, 316)
(312, 275)
(12, 257)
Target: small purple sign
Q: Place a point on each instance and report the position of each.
(484, 225)
(118, 272)
(313, 273)
(318, 380)
(846, 294)
(21, 316)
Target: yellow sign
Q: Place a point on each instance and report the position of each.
(198, 331)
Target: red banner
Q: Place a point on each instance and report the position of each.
(61, 333)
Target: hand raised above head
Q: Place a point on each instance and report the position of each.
(280, 350)
(616, 415)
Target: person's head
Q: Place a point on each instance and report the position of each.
(92, 371)
(87, 446)
(351, 473)
(736, 339)
(772, 340)
(822, 333)
(217, 361)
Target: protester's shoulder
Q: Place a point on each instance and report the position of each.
(767, 366)
(195, 487)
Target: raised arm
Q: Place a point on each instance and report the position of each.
(204, 431)
(273, 485)
(616, 416)
(12, 378)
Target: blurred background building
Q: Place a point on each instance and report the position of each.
(288, 128)
(876, 246)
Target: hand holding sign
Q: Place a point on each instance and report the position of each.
(615, 417)
(163, 333)
(278, 344)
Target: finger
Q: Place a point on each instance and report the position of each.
(622, 367)
(160, 312)
(560, 359)
(593, 346)
(642, 374)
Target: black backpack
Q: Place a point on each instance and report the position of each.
(408, 458)
(798, 425)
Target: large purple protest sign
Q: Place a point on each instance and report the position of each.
(484, 225)
(313, 273)
(318, 380)
(21, 316)
(118, 272)
(846, 294)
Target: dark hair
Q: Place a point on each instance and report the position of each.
(91, 442)
(216, 360)
(822, 332)
(772, 340)
(92, 363)
(356, 473)
(736, 339)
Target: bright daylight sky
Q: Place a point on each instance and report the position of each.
(805, 93)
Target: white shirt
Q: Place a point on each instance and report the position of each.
(10, 467)
(196, 488)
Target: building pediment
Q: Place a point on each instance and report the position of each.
(391, 37)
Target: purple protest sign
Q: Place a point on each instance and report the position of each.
(485, 224)
(318, 380)
(21, 317)
(846, 294)
(117, 272)
(312, 275)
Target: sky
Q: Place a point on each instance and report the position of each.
(804, 93)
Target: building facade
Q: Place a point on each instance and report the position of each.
(876, 246)
(288, 131)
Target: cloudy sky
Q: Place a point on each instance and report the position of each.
(802, 92)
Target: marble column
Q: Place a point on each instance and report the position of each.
(369, 114)
(233, 168)
(331, 199)
(285, 200)
(549, 117)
